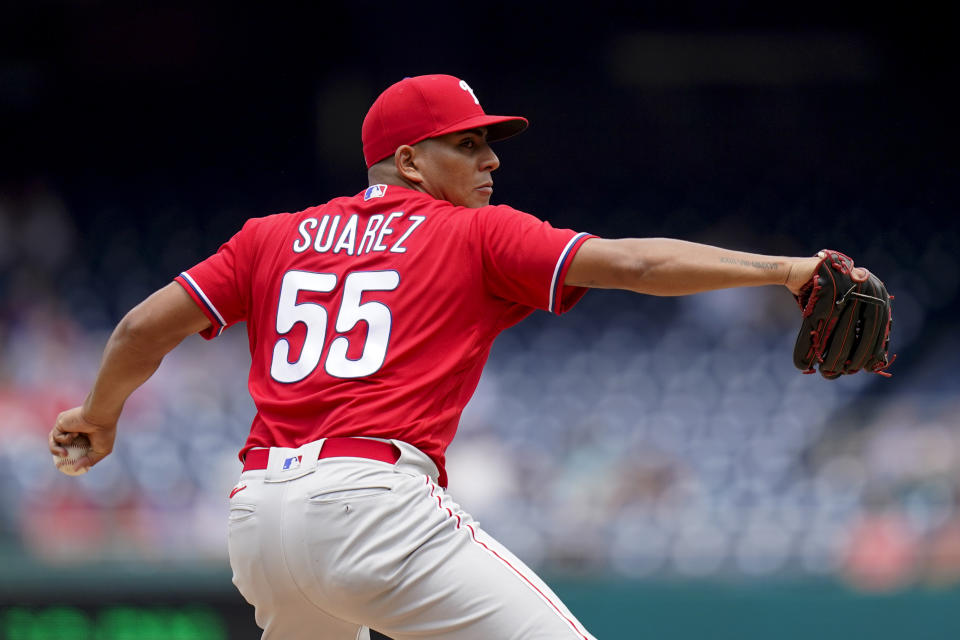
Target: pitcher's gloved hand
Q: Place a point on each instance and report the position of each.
(846, 320)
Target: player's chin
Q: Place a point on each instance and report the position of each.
(480, 198)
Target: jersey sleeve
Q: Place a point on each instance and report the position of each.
(525, 259)
(220, 284)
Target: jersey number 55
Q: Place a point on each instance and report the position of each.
(314, 317)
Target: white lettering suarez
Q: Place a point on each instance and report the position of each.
(325, 233)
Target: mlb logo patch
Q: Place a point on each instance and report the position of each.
(375, 191)
(291, 463)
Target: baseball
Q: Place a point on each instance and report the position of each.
(75, 450)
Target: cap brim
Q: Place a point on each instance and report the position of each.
(498, 127)
(506, 128)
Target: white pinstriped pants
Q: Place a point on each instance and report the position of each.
(341, 544)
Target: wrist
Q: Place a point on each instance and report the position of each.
(800, 273)
(94, 414)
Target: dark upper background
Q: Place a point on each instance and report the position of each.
(161, 127)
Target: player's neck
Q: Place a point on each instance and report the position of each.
(377, 175)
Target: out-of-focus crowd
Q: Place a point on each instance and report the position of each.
(644, 436)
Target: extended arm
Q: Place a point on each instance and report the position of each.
(667, 267)
(133, 352)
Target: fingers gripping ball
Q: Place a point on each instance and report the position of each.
(847, 317)
(75, 450)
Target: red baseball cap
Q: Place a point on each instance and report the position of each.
(422, 107)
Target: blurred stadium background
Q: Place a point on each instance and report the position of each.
(659, 460)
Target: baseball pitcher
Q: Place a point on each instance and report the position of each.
(370, 319)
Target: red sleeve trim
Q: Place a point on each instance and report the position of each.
(217, 323)
(562, 297)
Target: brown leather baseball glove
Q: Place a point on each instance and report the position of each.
(846, 320)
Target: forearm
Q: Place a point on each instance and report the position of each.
(668, 267)
(129, 360)
(137, 347)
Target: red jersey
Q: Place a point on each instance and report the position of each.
(374, 315)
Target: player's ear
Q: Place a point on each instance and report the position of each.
(405, 161)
